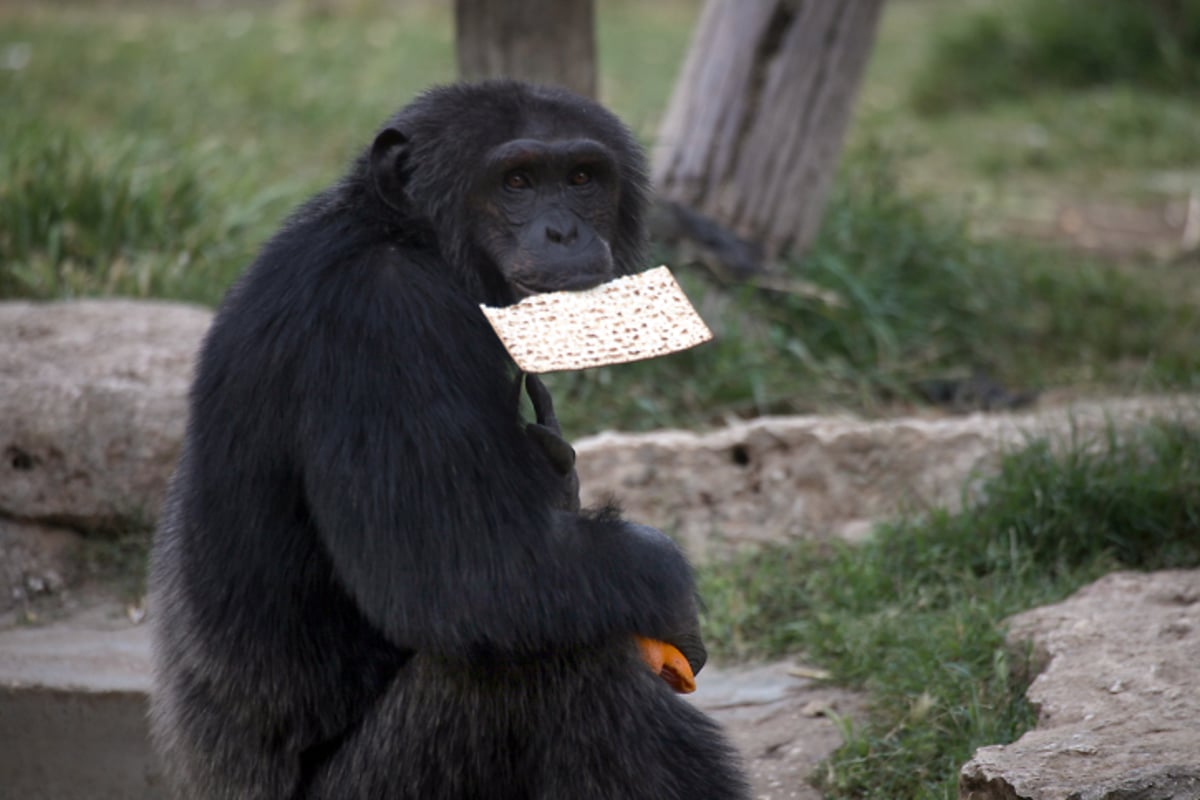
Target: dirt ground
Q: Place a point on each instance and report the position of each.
(782, 719)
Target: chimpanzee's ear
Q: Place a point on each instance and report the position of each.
(389, 157)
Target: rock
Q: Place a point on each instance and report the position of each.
(93, 405)
(92, 408)
(1118, 706)
(782, 725)
(73, 711)
(36, 561)
(772, 479)
(73, 714)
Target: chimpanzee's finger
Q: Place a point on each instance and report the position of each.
(515, 392)
(556, 448)
(543, 403)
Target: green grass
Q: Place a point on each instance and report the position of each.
(254, 111)
(149, 151)
(78, 219)
(916, 615)
(1020, 48)
(119, 562)
(1058, 133)
(897, 291)
(1012, 152)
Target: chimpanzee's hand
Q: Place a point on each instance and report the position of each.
(686, 639)
(692, 646)
(684, 629)
(547, 434)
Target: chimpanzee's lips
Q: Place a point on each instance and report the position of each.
(521, 291)
(572, 283)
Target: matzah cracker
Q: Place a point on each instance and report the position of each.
(628, 319)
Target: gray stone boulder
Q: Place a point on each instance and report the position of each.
(73, 710)
(73, 706)
(36, 561)
(92, 408)
(773, 479)
(1117, 697)
(781, 720)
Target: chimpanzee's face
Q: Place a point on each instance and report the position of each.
(547, 213)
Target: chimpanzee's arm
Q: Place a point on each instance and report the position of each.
(436, 507)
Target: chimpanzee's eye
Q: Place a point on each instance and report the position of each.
(517, 180)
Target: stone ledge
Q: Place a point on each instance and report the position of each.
(774, 479)
(92, 408)
(73, 711)
(73, 703)
(1118, 703)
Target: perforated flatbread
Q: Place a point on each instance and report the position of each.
(627, 319)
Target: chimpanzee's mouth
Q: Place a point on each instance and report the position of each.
(575, 282)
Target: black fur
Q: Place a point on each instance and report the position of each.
(364, 583)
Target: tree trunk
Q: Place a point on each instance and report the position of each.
(753, 131)
(544, 41)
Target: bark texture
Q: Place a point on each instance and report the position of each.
(543, 41)
(756, 122)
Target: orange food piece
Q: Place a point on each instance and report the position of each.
(667, 663)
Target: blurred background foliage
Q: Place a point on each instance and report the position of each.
(148, 149)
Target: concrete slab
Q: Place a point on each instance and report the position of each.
(73, 712)
(73, 702)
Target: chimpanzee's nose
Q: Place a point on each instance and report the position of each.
(562, 231)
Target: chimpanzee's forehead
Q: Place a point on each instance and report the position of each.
(525, 153)
(557, 121)
(477, 119)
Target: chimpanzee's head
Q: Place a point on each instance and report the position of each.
(531, 189)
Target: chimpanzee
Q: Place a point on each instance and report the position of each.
(372, 578)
